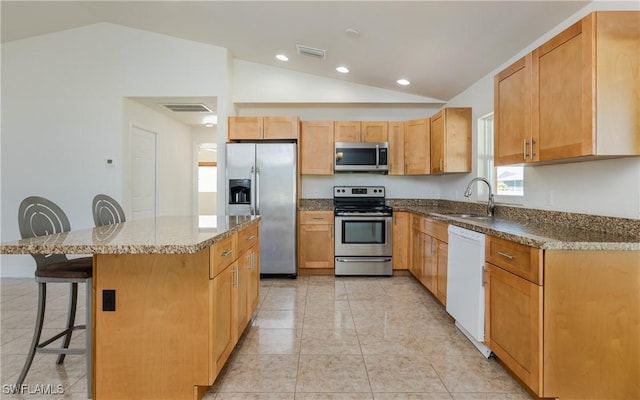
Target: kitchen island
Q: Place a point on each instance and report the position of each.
(170, 299)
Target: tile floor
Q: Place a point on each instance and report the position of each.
(315, 337)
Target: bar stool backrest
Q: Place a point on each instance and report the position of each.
(106, 210)
(38, 216)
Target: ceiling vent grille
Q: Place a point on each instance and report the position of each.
(311, 51)
(186, 107)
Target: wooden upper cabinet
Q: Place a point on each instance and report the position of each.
(316, 148)
(361, 131)
(281, 127)
(347, 131)
(396, 147)
(374, 131)
(574, 96)
(587, 101)
(417, 146)
(451, 140)
(245, 128)
(512, 114)
(258, 128)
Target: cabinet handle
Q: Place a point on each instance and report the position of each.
(532, 153)
(227, 253)
(322, 218)
(441, 165)
(484, 276)
(251, 237)
(524, 148)
(505, 255)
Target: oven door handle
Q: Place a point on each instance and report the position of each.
(364, 216)
(363, 259)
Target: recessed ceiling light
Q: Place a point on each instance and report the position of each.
(352, 32)
(282, 57)
(403, 82)
(343, 70)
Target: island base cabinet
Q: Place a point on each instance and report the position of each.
(592, 325)
(154, 345)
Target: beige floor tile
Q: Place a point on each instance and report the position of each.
(261, 374)
(402, 373)
(283, 319)
(412, 396)
(332, 373)
(270, 341)
(334, 396)
(330, 341)
(253, 396)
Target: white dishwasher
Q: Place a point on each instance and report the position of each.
(465, 289)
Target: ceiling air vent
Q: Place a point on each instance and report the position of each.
(187, 108)
(310, 51)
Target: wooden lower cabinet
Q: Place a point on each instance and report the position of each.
(429, 254)
(565, 322)
(174, 326)
(401, 240)
(315, 241)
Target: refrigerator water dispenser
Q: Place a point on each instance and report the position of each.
(239, 191)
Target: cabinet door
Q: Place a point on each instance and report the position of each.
(347, 131)
(417, 146)
(241, 284)
(430, 265)
(513, 324)
(437, 143)
(224, 325)
(442, 256)
(401, 240)
(417, 254)
(253, 288)
(316, 246)
(374, 131)
(562, 110)
(241, 128)
(316, 148)
(513, 114)
(396, 148)
(281, 127)
(451, 140)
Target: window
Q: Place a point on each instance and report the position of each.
(506, 180)
(207, 178)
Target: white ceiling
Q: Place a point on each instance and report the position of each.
(442, 47)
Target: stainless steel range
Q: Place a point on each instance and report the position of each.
(363, 231)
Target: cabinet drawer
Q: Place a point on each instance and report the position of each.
(521, 260)
(316, 217)
(247, 238)
(436, 229)
(223, 253)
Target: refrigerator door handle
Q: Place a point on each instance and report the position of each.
(253, 190)
(257, 191)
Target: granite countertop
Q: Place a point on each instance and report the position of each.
(551, 230)
(162, 235)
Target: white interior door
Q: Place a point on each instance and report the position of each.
(142, 172)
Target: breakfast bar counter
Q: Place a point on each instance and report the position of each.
(171, 296)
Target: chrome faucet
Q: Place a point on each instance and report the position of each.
(490, 205)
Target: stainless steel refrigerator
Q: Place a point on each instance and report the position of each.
(261, 180)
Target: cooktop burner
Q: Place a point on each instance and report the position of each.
(360, 199)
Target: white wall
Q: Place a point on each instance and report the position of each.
(174, 149)
(606, 187)
(63, 114)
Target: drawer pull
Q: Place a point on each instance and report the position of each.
(317, 218)
(505, 255)
(227, 253)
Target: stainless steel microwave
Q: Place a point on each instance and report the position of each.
(362, 157)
